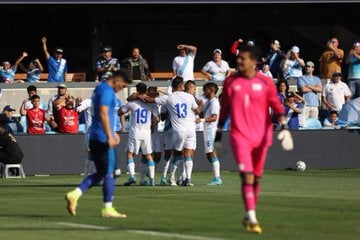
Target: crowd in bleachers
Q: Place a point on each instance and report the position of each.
(307, 100)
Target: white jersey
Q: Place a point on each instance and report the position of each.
(184, 66)
(86, 107)
(218, 71)
(28, 105)
(140, 118)
(181, 106)
(211, 107)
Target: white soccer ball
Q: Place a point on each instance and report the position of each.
(300, 166)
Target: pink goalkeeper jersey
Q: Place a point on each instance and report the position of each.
(248, 101)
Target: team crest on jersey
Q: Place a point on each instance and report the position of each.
(237, 87)
(257, 87)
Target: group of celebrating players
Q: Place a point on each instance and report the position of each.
(247, 97)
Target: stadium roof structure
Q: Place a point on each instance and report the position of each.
(171, 1)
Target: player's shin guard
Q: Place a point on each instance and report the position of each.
(131, 167)
(188, 167)
(166, 167)
(216, 166)
(151, 166)
(108, 189)
(248, 195)
(90, 181)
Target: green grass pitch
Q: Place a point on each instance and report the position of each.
(293, 205)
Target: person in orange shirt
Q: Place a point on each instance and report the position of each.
(331, 59)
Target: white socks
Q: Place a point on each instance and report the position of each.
(216, 169)
(251, 215)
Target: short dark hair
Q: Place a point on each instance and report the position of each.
(334, 112)
(176, 82)
(188, 83)
(31, 88)
(122, 74)
(35, 97)
(141, 88)
(152, 89)
(255, 52)
(212, 85)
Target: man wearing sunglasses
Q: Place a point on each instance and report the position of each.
(336, 93)
(331, 59)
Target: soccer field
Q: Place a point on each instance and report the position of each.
(293, 205)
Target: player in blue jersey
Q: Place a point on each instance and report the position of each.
(103, 140)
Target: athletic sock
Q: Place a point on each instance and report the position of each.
(188, 167)
(177, 160)
(247, 191)
(131, 167)
(166, 167)
(256, 192)
(216, 167)
(78, 192)
(251, 215)
(89, 181)
(151, 166)
(108, 205)
(108, 188)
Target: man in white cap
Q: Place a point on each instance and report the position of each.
(310, 86)
(336, 93)
(57, 65)
(274, 58)
(217, 69)
(292, 64)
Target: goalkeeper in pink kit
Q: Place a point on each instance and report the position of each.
(248, 97)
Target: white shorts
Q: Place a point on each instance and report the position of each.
(209, 138)
(168, 140)
(185, 139)
(156, 142)
(134, 145)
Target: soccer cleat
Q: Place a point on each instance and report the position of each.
(111, 213)
(152, 182)
(71, 199)
(163, 181)
(172, 182)
(215, 181)
(144, 183)
(255, 228)
(246, 223)
(187, 183)
(131, 180)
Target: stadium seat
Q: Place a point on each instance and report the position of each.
(313, 123)
(5, 171)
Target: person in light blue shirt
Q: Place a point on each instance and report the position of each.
(33, 71)
(7, 72)
(354, 70)
(292, 64)
(57, 65)
(103, 140)
(310, 86)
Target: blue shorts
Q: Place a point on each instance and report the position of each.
(103, 157)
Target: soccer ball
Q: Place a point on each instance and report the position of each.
(300, 166)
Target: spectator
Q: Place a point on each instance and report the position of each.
(331, 121)
(27, 103)
(353, 60)
(302, 117)
(57, 65)
(274, 58)
(106, 65)
(335, 93)
(292, 64)
(33, 71)
(310, 86)
(62, 93)
(331, 59)
(68, 116)
(266, 71)
(12, 125)
(292, 111)
(35, 117)
(234, 47)
(282, 88)
(183, 65)
(137, 66)
(10, 151)
(217, 69)
(7, 72)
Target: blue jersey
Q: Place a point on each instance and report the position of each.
(292, 116)
(57, 70)
(7, 75)
(118, 105)
(33, 75)
(103, 95)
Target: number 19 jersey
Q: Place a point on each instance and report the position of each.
(140, 118)
(180, 106)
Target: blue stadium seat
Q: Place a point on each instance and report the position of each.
(313, 123)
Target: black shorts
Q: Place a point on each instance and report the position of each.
(103, 157)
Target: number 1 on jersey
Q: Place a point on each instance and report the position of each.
(181, 110)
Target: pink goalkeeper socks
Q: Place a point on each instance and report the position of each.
(248, 195)
(256, 192)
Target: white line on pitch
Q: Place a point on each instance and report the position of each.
(141, 232)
